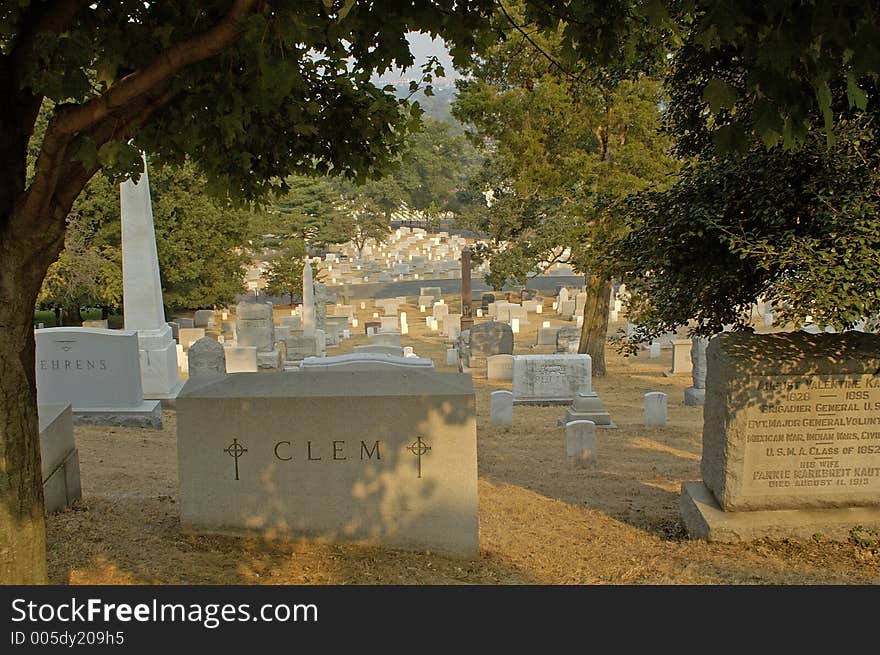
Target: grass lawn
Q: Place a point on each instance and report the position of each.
(47, 317)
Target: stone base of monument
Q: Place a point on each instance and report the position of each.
(157, 352)
(704, 519)
(587, 407)
(168, 400)
(694, 397)
(548, 402)
(146, 415)
(269, 360)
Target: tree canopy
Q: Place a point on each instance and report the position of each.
(562, 149)
(254, 91)
(777, 122)
(199, 241)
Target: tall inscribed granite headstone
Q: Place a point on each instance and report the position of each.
(142, 290)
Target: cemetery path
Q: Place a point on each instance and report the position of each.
(540, 521)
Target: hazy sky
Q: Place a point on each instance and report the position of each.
(422, 47)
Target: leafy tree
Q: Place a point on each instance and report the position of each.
(365, 218)
(778, 200)
(284, 275)
(250, 91)
(798, 229)
(84, 275)
(199, 239)
(768, 71)
(561, 153)
(309, 211)
(434, 165)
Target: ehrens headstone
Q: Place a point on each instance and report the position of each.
(97, 372)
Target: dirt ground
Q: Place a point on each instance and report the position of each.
(540, 521)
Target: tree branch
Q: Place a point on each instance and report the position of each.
(69, 120)
(51, 18)
(543, 52)
(73, 118)
(114, 129)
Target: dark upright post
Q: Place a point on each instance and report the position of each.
(467, 313)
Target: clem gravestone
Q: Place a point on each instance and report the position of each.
(273, 454)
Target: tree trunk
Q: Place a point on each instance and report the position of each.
(73, 315)
(22, 523)
(595, 329)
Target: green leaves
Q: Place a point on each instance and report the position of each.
(719, 95)
(823, 97)
(856, 96)
(799, 228)
(119, 159)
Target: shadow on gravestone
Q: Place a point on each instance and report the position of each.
(396, 468)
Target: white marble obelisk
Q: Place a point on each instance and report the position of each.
(142, 291)
(308, 297)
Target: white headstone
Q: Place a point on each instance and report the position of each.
(499, 367)
(501, 408)
(580, 443)
(241, 359)
(655, 408)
